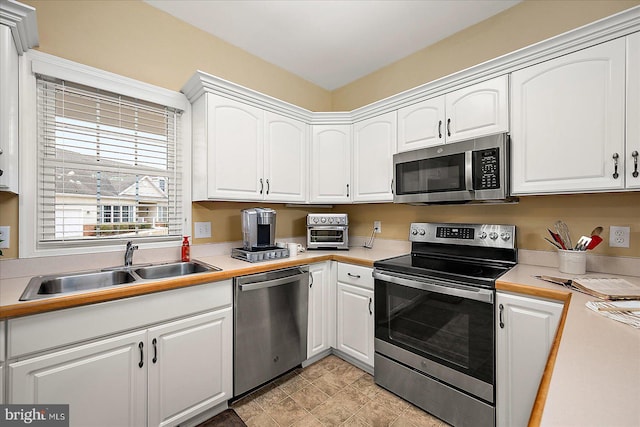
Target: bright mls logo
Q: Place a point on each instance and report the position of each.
(34, 415)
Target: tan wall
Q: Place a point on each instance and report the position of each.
(522, 25)
(226, 226)
(532, 216)
(9, 216)
(133, 39)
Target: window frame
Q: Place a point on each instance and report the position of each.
(35, 62)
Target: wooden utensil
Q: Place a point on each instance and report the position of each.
(618, 308)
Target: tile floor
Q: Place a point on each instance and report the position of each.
(331, 392)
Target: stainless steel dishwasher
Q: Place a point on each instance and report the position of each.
(270, 325)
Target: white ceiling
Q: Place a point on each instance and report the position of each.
(332, 42)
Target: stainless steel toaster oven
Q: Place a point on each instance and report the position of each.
(327, 231)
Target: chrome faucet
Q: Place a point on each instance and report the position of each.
(128, 254)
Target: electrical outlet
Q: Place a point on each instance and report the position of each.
(201, 230)
(619, 236)
(377, 226)
(5, 236)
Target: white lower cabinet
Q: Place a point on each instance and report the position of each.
(102, 382)
(354, 313)
(321, 321)
(161, 375)
(189, 363)
(526, 328)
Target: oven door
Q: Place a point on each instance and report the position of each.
(444, 330)
(327, 237)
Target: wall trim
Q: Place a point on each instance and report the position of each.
(23, 23)
(609, 28)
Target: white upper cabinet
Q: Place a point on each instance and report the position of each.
(8, 111)
(420, 125)
(567, 130)
(285, 159)
(331, 164)
(374, 143)
(470, 112)
(241, 152)
(478, 110)
(633, 112)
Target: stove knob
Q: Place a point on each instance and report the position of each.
(323, 220)
(483, 235)
(414, 231)
(422, 232)
(505, 236)
(315, 220)
(493, 235)
(330, 220)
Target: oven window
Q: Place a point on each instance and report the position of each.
(450, 330)
(431, 175)
(326, 235)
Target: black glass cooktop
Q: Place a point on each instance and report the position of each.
(463, 271)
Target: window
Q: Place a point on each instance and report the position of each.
(108, 167)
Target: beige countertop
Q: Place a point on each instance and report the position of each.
(592, 376)
(593, 373)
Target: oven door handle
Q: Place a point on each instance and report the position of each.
(476, 294)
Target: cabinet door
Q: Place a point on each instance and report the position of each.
(478, 110)
(633, 112)
(568, 122)
(374, 143)
(331, 163)
(8, 112)
(285, 159)
(104, 382)
(235, 150)
(190, 366)
(320, 322)
(355, 332)
(526, 328)
(421, 125)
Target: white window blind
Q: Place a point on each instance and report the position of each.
(108, 167)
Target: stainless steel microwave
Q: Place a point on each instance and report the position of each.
(475, 170)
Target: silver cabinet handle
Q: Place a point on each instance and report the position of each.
(635, 164)
(310, 281)
(392, 190)
(448, 127)
(370, 301)
(267, 185)
(357, 276)
(347, 190)
(261, 186)
(615, 165)
(500, 317)
(439, 128)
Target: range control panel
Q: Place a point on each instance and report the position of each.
(488, 235)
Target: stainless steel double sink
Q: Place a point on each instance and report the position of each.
(61, 284)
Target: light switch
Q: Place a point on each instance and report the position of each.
(5, 235)
(201, 230)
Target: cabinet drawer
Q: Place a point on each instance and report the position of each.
(355, 275)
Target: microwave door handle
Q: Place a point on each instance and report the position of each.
(468, 170)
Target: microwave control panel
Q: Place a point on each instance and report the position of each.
(486, 169)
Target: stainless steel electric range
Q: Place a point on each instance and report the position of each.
(434, 319)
